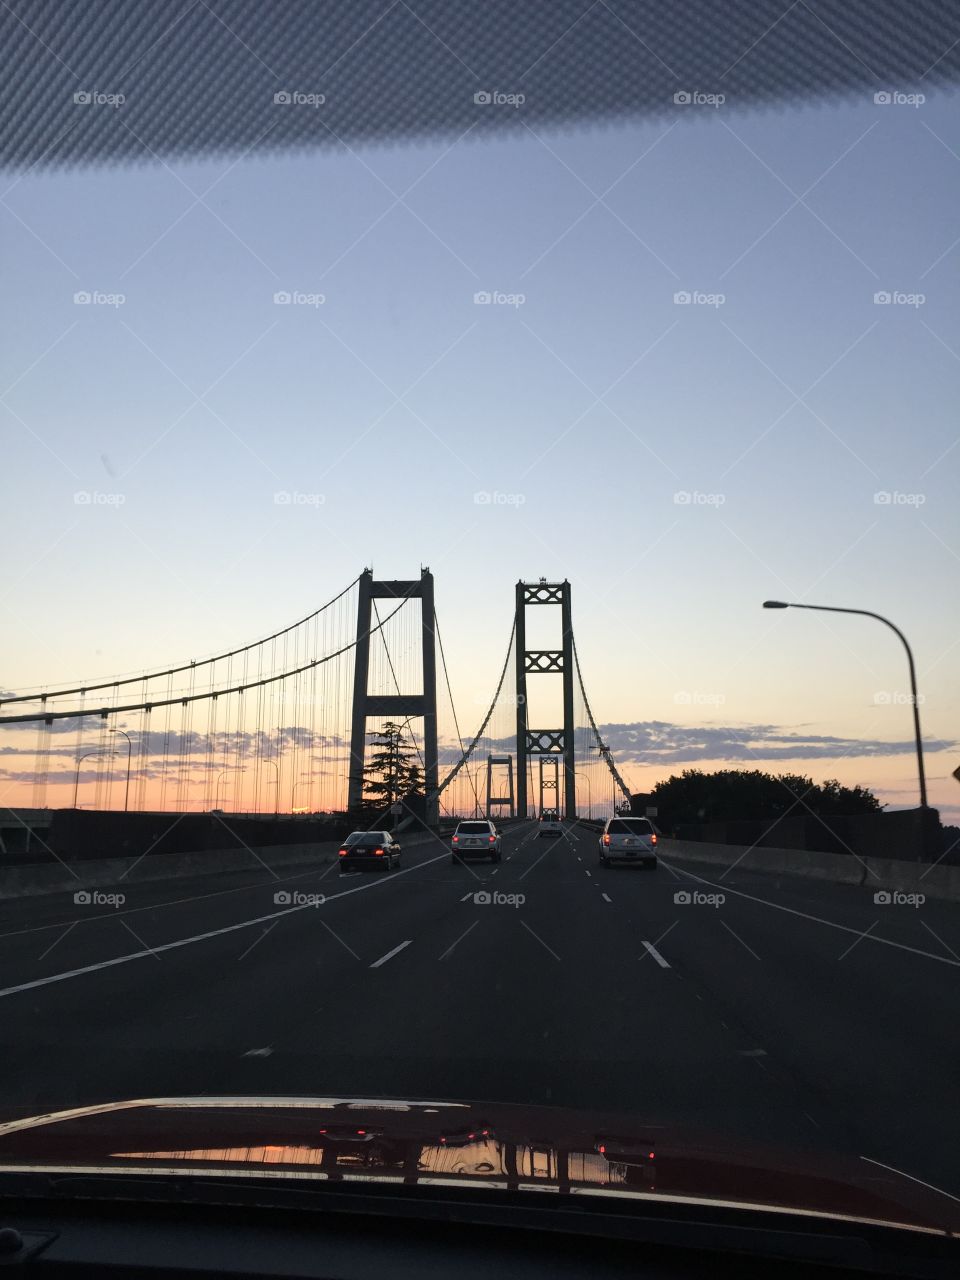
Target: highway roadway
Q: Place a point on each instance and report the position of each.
(792, 1011)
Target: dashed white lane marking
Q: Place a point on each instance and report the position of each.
(259, 1053)
(751, 1053)
(390, 954)
(606, 897)
(587, 873)
(211, 933)
(652, 950)
(460, 939)
(494, 871)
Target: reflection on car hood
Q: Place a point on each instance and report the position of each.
(444, 1143)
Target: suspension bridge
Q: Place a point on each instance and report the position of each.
(282, 725)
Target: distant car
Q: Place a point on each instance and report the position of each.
(550, 824)
(628, 840)
(369, 851)
(475, 839)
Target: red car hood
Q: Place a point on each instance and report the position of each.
(444, 1143)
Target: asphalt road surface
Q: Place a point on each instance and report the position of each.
(792, 1010)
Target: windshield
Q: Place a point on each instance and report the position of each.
(422, 417)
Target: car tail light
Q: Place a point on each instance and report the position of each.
(343, 853)
(492, 838)
(378, 852)
(653, 839)
(606, 838)
(455, 839)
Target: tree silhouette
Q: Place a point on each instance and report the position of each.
(391, 774)
(733, 794)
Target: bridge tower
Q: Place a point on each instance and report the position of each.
(557, 743)
(398, 706)
(499, 801)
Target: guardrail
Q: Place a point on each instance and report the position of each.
(882, 875)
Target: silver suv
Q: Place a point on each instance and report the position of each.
(550, 824)
(628, 840)
(476, 838)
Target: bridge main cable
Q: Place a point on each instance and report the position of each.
(607, 755)
(486, 719)
(184, 700)
(172, 671)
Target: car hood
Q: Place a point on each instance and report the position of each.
(444, 1143)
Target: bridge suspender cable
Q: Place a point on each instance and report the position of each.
(486, 719)
(593, 724)
(187, 666)
(456, 723)
(185, 700)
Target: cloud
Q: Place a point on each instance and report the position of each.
(660, 742)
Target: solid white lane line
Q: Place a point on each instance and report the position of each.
(804, 915)
(606, 897)
(460, 939)
(211, 933)
(656, 955)
(390, 954)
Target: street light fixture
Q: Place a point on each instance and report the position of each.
(605, 752)
(126, 794)
(216, 790)
(476, 793)
(580, 774)
(86, 756)
(276, 806)
(866, 613)
(304, 777)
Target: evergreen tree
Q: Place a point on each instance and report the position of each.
(391, 774)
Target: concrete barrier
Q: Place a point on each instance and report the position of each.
(879, 874)
(33, 879)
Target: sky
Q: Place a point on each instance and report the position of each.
(718, 362)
